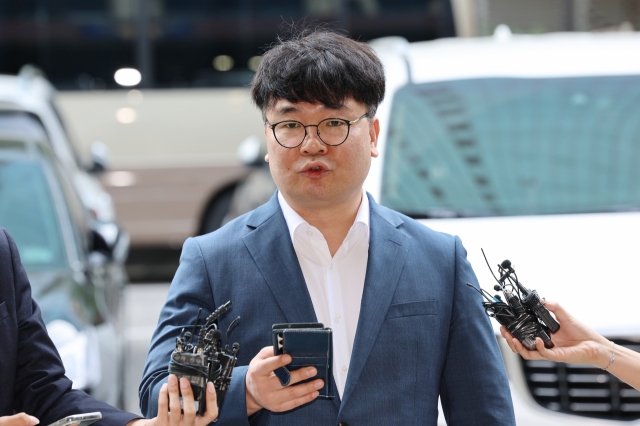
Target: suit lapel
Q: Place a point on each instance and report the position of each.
(271, 248)
(387, 255)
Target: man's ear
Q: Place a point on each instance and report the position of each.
(374, 132)
(266, 156)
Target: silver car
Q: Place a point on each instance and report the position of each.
(74, 262)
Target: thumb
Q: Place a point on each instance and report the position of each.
(560, 313)
(20, 419)
(542, 350)
(266, 352)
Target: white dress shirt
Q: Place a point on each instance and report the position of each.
(335, 284)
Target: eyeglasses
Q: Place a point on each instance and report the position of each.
(331, 131)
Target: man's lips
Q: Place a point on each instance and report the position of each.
(315, 170)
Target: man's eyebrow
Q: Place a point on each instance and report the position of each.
(287, 109)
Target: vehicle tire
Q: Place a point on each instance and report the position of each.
(217, 210)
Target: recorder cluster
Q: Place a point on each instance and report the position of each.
(519, 309)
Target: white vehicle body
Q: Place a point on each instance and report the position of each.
(584, 261)
(31, 93)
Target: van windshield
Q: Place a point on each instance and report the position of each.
(514, 146)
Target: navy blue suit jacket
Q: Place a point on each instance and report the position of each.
(32, 376)
(422, 333)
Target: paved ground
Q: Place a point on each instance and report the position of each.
(142, 304)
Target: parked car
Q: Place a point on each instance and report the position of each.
(74, 262)
(528, 146)
(31, 93)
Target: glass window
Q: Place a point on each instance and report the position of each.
(80, 44)
(27, 210)
(510, 146)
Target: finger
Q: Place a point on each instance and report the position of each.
(509, 341)
(20, 419)
(175, 409)
(552, 305)
(291, 393)
(188, 403)
(302, 374)
(265, 367)
(212, 407)
(163, 406)
(558, 311)
(526, 353)
(293, 403)
(508, 337)
(266, 352)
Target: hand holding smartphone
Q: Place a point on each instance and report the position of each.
(310, 345)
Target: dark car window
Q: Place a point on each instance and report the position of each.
(28, 211)
(512, 146)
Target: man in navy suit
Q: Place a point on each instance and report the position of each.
(33, 387)
(406, 329)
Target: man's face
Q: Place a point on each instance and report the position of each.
(316, 175)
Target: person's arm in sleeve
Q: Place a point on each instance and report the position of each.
(474, 389)
(190, 291)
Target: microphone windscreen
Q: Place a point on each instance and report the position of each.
(506, 264)
(217, 334)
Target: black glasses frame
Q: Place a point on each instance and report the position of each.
(349, 123)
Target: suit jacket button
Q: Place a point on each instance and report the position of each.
(343, 424)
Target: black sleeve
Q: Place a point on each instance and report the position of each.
(40, 388)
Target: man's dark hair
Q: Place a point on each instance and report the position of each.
(319, 66)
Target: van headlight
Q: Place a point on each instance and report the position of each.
(79, 351)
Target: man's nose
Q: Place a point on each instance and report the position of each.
(312, 145)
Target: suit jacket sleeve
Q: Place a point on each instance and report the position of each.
(474, 389)
(190, 290)
(40, 387)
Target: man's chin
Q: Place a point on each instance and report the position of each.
(316, 197)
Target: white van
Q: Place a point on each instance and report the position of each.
(528, 146)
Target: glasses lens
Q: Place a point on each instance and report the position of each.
(333, 131)
(289, 133)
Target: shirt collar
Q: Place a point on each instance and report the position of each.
(294, 220)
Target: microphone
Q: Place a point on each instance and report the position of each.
(216, 335)
(532, 301)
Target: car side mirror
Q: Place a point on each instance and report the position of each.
(99, 157)
(251, 152)
(108, 242)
